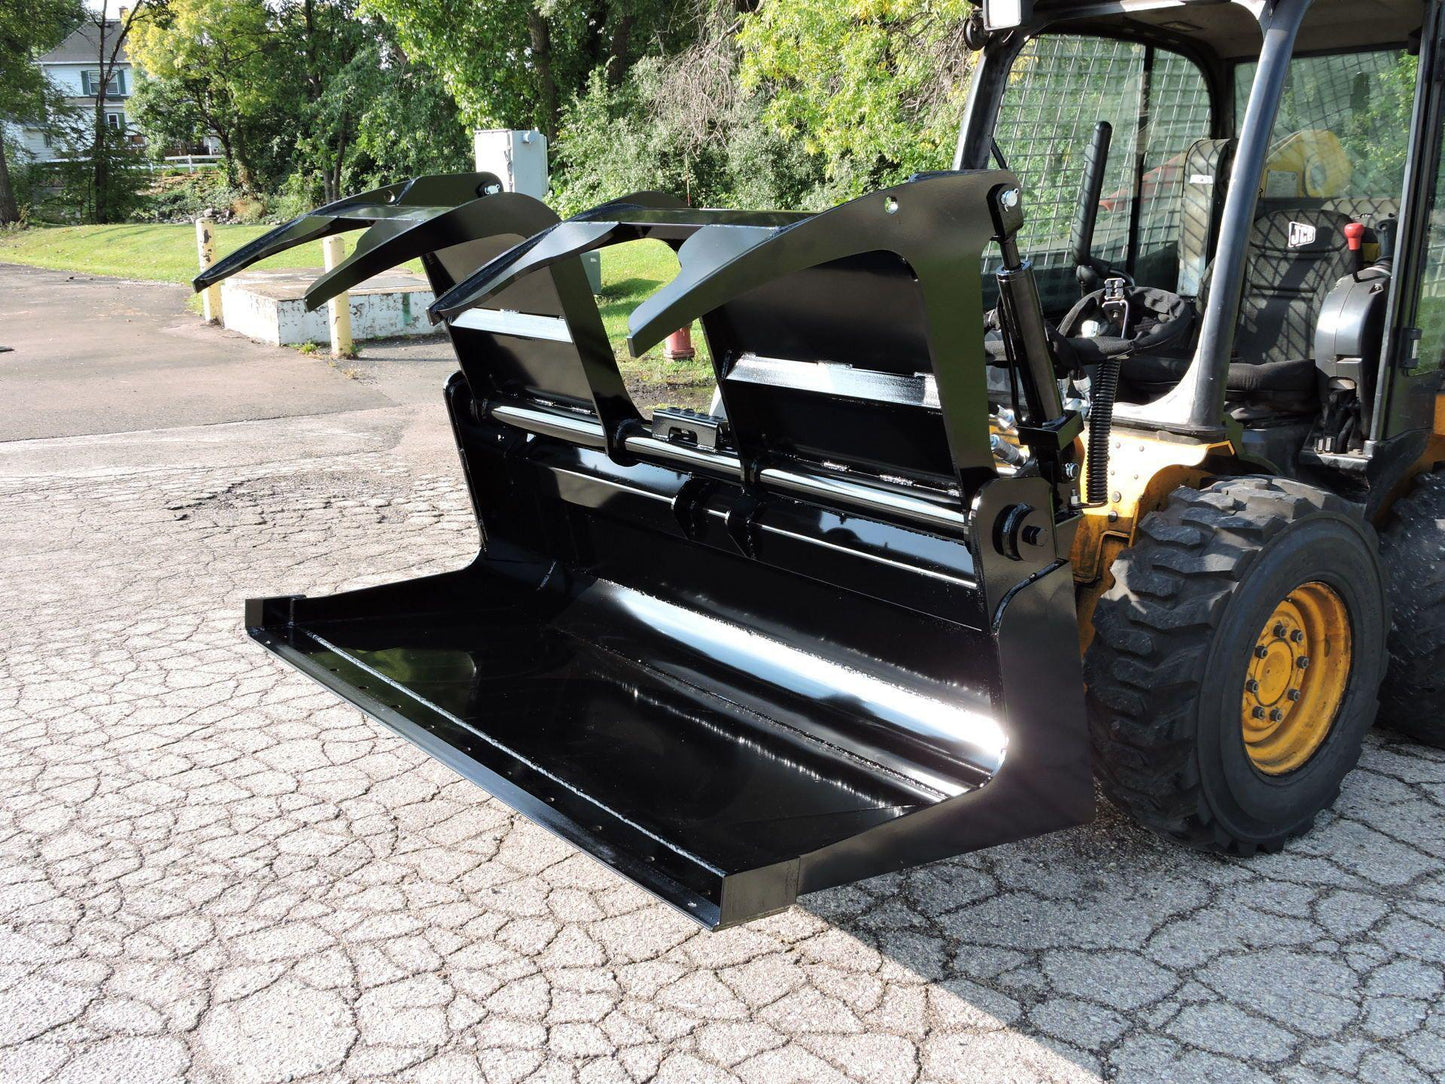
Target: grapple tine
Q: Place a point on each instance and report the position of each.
(388, 205)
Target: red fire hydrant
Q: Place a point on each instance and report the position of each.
(679, 346)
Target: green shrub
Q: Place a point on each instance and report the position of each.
(175, 196)
(648, 133)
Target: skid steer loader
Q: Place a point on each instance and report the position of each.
(1142, 397)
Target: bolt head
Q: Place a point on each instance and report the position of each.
(1010, 199)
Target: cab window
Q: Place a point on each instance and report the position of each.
(1342, 134)
(1158, 103)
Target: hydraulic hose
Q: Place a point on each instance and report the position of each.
(1103, 393)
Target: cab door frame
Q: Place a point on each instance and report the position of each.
(1405, 400)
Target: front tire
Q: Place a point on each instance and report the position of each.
(1206, 725)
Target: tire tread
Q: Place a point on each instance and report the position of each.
(1147, 661)
(1413, 546)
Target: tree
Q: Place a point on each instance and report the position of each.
(111, 38)
(337, 56)
(410, 124)
(26, 31)
(681, 124)
(517, 63)
(217, 68)
(874, 87)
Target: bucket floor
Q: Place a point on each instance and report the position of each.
(685, 768)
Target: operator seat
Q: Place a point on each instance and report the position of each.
(1296, 257)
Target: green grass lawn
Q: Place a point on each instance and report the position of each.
(159, 253)
(168, 254)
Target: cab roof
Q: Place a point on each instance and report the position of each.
(1230, 29)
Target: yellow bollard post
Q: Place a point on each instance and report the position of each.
(206, 255)
(338, 309)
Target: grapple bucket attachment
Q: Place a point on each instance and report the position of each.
(737, 659)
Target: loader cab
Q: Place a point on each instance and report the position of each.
(1267, 179)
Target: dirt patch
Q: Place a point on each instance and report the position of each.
(692, 394)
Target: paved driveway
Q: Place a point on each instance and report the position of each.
(212, 869)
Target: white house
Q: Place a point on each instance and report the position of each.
(73, 67)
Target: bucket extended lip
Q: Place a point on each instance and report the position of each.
(708, 891)
(427, 727)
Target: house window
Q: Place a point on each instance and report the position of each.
(115, 121)
(90, 83)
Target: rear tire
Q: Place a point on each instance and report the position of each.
(1413, 550)
(1174, 658)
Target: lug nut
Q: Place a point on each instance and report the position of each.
(1258, 713)
(1294, 695)
(1251, 686)
(1297, 637)
(1276, 716)
(1304, 662)
(1280, 631)
(1261, 652)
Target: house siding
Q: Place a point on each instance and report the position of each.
(65, 67)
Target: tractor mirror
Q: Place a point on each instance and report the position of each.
(1007, 14)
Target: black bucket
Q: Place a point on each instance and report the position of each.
(737, 658)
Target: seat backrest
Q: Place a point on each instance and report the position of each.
(1206, 177)
(1296, 257)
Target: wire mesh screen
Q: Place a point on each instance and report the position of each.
(1176, 117)
(1060, 88)
(1431, 315)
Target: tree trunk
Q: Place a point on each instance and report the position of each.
(338, 164)
(99, 152)
(100, 164)
(541, 40)
(9, 210)
(617, 46)
(239, 154)
(314, 83)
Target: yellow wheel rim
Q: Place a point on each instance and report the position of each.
(1298, 673)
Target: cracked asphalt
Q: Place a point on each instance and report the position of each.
(212, 869)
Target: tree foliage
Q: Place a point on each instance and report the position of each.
(683, 125)
(873, 87)
(214, 68)
(26, 31)
(517, 63)
(309, 94)
(793, 102)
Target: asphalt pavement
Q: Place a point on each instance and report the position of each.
(212, 869)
